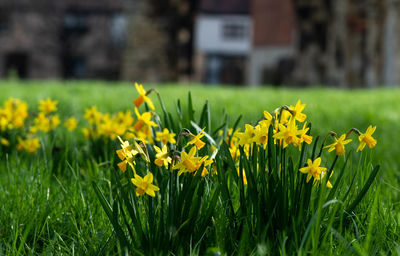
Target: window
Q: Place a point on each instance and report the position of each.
(234, 31)
(118, 29)
(76, 22)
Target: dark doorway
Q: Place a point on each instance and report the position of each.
(17, 62)
(225, 69)
(75, 67)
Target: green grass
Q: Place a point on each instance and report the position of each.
(49, 212)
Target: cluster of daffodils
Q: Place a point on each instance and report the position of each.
(47, 119)
(16, 126)
(313, 168)
(105, 125)
(146, 133)
(285, 123)
(13, 114)
(288, 125)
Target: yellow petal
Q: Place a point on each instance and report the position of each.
(148, 178)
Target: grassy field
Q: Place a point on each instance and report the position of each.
(58, 213)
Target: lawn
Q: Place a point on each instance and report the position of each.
(57, 212)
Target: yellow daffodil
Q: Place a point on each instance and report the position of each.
(162, 157)
(191, 163)
(28, 145)
(41, 122)
(165, 136)
(297, 111)
(196, 140)
(4, 142)
(47, 106)
(123, 119)
(303, 135)
(13, 114)
(92, 115)
(187, 162)
(205, 162)
(54, 121)
(338, 145)
(144, 185)
(71, 124)
(246, 137)
(144, 135)
(267, 116)
(288, 134)
(143, 119)
(261, 133)
(127, 154)
(367, 139)
(313, 169)
(142, 97)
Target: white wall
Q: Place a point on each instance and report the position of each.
(209, 34)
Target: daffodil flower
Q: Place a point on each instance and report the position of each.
(4, 142)
(28, 145)
(142, 97)
(187, 162)
(127, 154)
(288, 134)
(367, 139)
(313, 169)
(196, 140)
(165, 136)
(47, 106)
(144, 185)
(297, 110)
(162, 157)
(338, 145)
(261, 133)
(71, 124)
(246, 137)
(143, 119)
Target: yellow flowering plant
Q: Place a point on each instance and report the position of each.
(265, 180)
(156, 166)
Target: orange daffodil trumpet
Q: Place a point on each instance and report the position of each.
(143, 97)
(196, 140)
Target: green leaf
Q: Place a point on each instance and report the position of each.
(364, 190)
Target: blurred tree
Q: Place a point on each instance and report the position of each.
(159, 41)
(341, 42)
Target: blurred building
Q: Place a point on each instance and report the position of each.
(244, 41)
(279, 42)
(61, 39)
(223, 37)
(273, 42)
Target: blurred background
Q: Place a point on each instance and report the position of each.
(341, 43)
